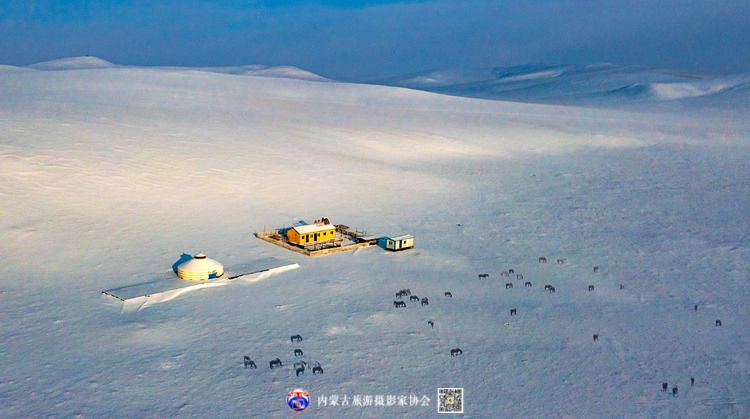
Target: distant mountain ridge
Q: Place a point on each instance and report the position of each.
(599, 83)
(91, 62)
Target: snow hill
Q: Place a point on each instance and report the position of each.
(73, 63)
(596, 84)
(90, 62)
(108, 175)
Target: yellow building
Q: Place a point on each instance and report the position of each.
(313, 233)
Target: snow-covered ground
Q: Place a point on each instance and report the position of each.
(109, 173)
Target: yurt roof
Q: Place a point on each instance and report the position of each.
(200, 263)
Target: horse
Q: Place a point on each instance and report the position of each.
(425, 301)
(547, 287)
(551, 289)
(275, 363)
(718, 323)
(692, 381)
(664, 386)
(527, 284)
(298, 352)
(596, 337)
(398, 304)
(560, 261)
(674, 391)
(596, 269)
(483, 276)
(317, 370)
(414, 298)
(400, 294)
(508, 285)
(406, 291)
(504, 273)
(431, 323)
(296, 338)
(456, 352)
(542, 259)
(519, 276)
(513, 312)
(591, 287)
(511, 271)
(299, 371)
(249, 363)
(300, 364)
(448, 294)
(622, 287)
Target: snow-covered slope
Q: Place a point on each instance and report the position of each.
(285, 72)
(73, 63)
(91, 62)
(596, 84)
(108, 175)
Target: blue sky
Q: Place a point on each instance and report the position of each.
(361, 40)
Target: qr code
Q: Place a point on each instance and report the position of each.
(450, 400)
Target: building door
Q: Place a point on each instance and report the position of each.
(316, 237)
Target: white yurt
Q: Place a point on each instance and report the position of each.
(200, 268)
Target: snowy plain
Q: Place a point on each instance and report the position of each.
(109, 173)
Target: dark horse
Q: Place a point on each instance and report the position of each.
(398, 304)
(591, 287)
(456, 352)
(527, 284)
(431, 323)
(718, 322)
(296, 338)
(425, 301)
(414, 298)
(596, 337)
(317, 370)
(298, 352)
(483, 276)
(448, 294)
(249, 363)
(275, 363)
(664, 386)
(508, 285)
(513, 312)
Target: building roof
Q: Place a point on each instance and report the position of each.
(200, 263)
(312, 228)
(404, 237)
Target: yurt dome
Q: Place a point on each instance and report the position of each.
(200, 268)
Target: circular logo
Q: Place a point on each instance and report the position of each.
(298, 399)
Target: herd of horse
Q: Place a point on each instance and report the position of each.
(424, 301)
(299, 366)
(413, 298)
